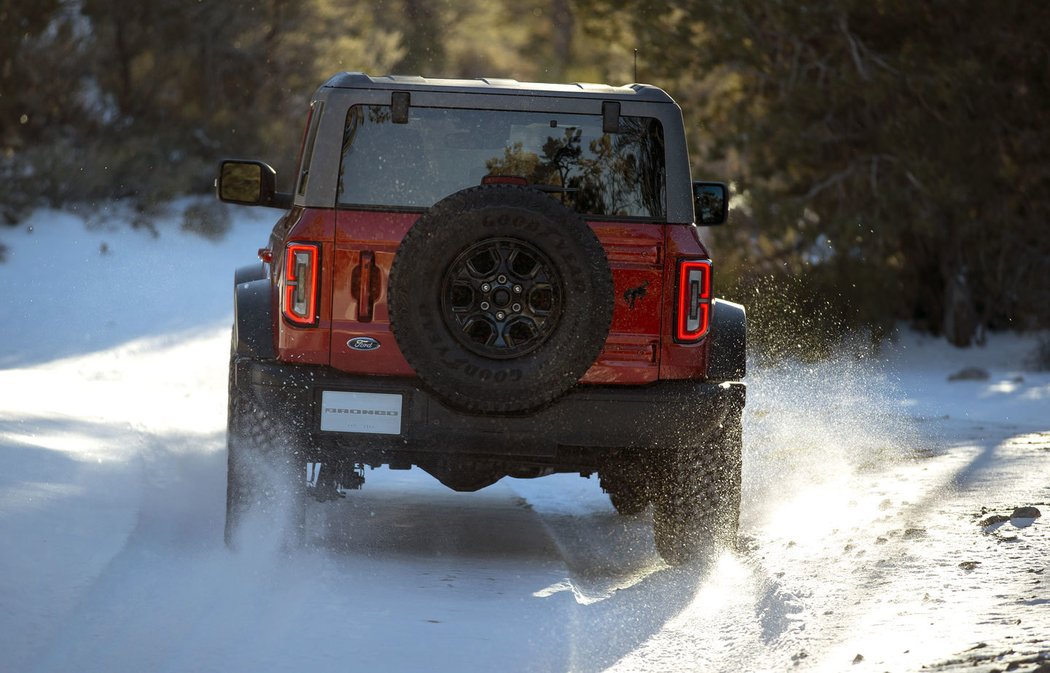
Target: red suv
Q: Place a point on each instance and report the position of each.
(488, 278)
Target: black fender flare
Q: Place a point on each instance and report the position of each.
(253, 319)
(249, 272)
(727, 353)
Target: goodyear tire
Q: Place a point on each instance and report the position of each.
(500, 298)
(697, 506)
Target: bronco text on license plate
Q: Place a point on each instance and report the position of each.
(377, 413)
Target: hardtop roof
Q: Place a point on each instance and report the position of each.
(632, 92)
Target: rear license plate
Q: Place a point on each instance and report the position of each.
(376, 413)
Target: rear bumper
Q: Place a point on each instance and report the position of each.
(580, 429)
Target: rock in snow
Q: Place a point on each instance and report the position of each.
(970, 374)
(1028, 512)
(994, 520)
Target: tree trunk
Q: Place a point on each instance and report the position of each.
(422, 40)
(563, 24)
(960, 312)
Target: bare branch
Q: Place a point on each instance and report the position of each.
(853, 49)
(830, 181)
(914, 181)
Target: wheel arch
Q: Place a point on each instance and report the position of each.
(727, 357)
(253, 319)
(249, 272)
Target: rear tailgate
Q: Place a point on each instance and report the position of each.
(362, 342)
(365, 245)
(632, 352)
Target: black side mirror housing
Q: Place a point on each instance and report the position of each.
(250, 183)
(710, 203)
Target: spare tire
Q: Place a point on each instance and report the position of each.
(500, 298)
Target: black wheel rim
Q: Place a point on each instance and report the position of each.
(501, 298)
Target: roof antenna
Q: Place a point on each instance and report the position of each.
(635, 65)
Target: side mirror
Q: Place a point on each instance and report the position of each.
(710, 203)
(250, 183)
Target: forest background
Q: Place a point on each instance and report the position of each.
(889, 159)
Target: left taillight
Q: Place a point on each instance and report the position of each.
(301, 265)
(693, 316)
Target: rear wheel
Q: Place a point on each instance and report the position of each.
(697, 505)
(265, 478)
(500, 299)
(628, 491)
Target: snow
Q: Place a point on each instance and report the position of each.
(1012, 395)
(865, 479)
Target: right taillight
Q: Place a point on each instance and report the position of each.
(693, 316)
(300, 284)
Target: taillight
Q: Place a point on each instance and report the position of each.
(694, 300)
(300, 283)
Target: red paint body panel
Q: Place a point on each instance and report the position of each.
(643, 258)
(379, 233)
(635, 254)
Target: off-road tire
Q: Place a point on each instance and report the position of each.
(697, 505)
(265, 474)
(628, 491)
(448, 327)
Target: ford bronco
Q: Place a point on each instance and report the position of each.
(481, 279)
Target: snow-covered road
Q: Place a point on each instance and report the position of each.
(865, 483)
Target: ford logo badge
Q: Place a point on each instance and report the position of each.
(363, 344)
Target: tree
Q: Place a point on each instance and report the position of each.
(893, 152)
(122, 99)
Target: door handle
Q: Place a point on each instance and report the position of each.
(365, 303)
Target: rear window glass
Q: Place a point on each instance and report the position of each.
(442, 150)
